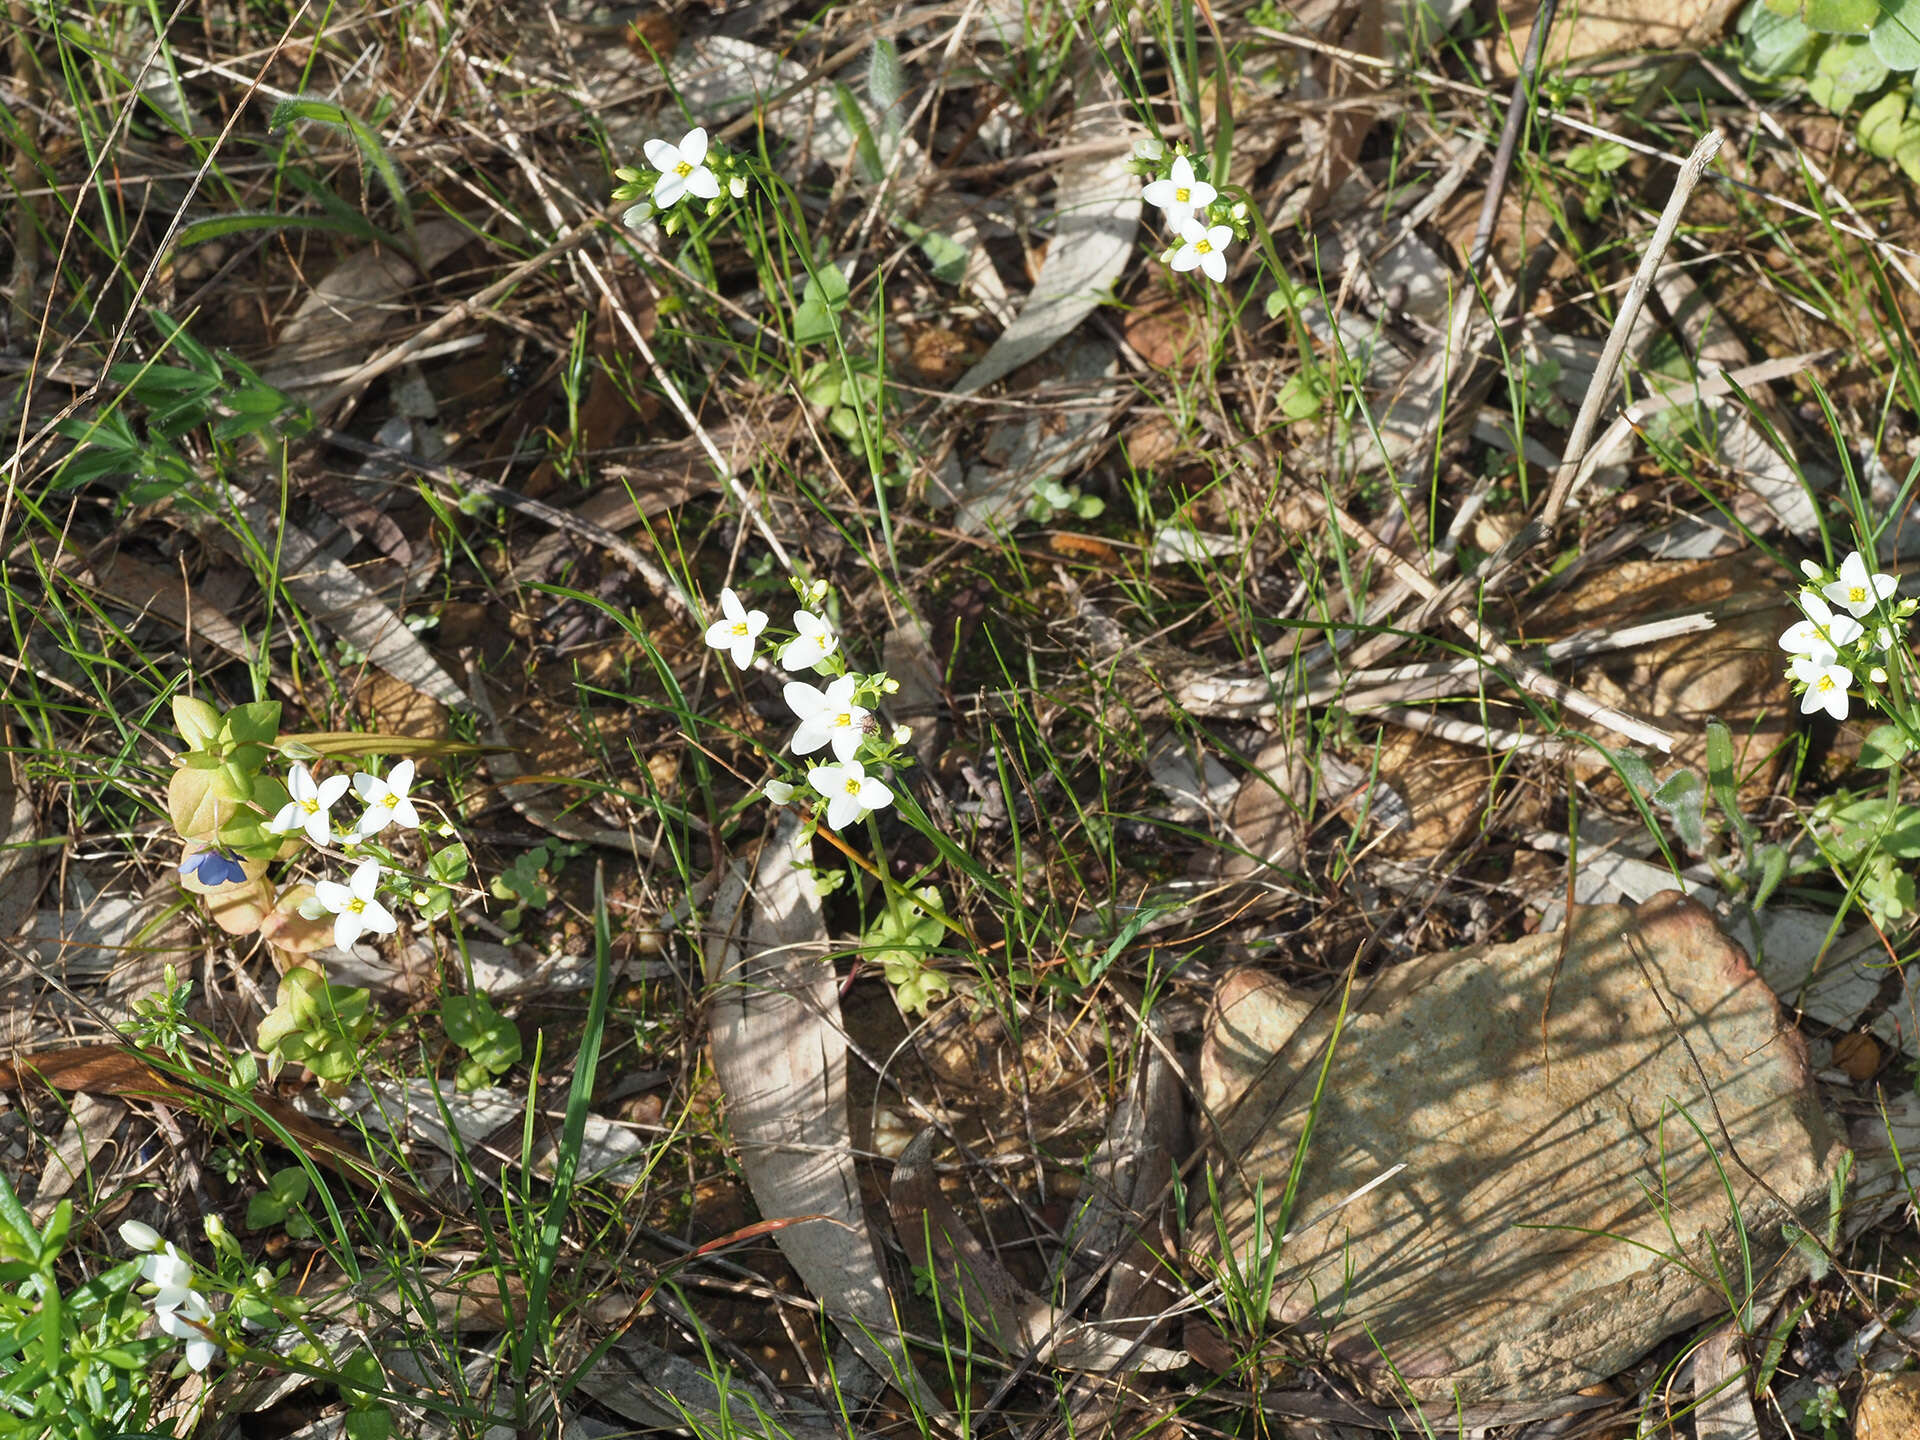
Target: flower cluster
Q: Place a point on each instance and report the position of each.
(180, 1310)
(1852, 626)
(1192, 208)
(838, 719)
(690, 170)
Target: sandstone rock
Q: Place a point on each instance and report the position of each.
(1518, 1255)
(1888, 1408)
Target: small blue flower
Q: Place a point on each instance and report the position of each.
(215, 867)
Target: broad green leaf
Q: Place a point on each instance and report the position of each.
(197, 721)
(1896, 35)
(1773, 44)
(1883, 748)
(1847, 69)
(1840, 17)
(256, 724)
(1683, 797)
(199, 803)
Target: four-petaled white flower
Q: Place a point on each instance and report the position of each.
(1858, 588)
(1203, 248)
(170, 1272)
(851, 794)
(354, 905)
(178, 1309)
(1821, 630)
(308, 808)
(683, 169)
(737, 628)
(827, 718)
(1181, 196)
(1826, 683)
(813, 644)
(387, 802)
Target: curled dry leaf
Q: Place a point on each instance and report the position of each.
(977, 1290)
(779, 1052)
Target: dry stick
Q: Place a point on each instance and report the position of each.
(1519, 107)
(1529, 677)
(1598, 389)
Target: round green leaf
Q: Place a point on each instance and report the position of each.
(1896, 35)
(1840, 17)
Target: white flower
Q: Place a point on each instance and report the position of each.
(682, 168)
(1181, 196)
(737, 187)
(851, 794)
(1826, 683)
(1885, 637)
(778, 791)
(1203, 249)
(143, 1238)
(171, 1273)
(1858, 588)
(1811, 569)
(184, 1322)
(827, 718)
(1822, 630)
(1149, 147)
(813, 644)
(737, 628)
(353, 905)
(387, 802)
(308, 808)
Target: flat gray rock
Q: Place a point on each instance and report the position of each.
(1522, 1252)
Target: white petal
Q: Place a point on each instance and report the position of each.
(742, 652)
(140, 1237)
(200, 1352)
(668, 190)
(846, 741)
(287, 818)
(1186, 258)
(405, 816)
(331, 789)
(1844, 630)
(693, 145)
(730, 605)
(1182, 172)
(346, 929)
(366, 879)
(720, 635)
(814, 731)
(801, 652)
(319, 829)
(1161, 193)
(703, 183)
(842, 810)
(803, 699)
(367, 785)
(1201, 193)
(1214, 265)
(300, 783)
(661, 155)
(377, 918)
(875, 795)
(1816, 608)
(332, 894)
(1192, 230)
(377, 818)
(400, 778)
(778, 791)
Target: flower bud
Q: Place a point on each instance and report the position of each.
(1811, 570)
(902, 734)
(1240, 210)
(737, 187)
(637, 215)
(890, 686)
(215, 1227)
(816, 592)
(1877, 675)
(1149, 147)
(420, 897)
(143, 1238)
(778, 791)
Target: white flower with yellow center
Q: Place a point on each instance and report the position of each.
(1826, 683)
(736, 629)
(1203, 248)
(683, 170)
(387, 802)
(1859, 589)
(827, 717)
(1181, 196)
(851, 794)
(308, 807)
(354, 905)
(814, 642)
(1821, 630)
